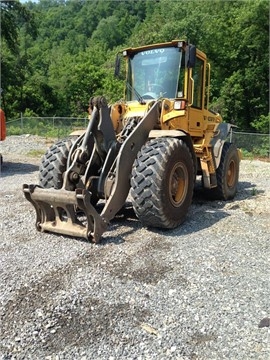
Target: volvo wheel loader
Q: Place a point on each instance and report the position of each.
(149, 146)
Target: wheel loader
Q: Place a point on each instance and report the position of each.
(148, 147)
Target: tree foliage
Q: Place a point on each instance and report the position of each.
(72, 56)
(13, 17)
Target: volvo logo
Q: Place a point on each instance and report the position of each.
(153, 51)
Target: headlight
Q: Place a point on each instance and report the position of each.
(179, 105)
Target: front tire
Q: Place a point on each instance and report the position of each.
(54, 162)
(162, 183)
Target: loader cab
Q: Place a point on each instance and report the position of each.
(155, 71)
(161, 70)
(174, 70)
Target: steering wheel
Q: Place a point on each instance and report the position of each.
(149, 95)
(157, 89)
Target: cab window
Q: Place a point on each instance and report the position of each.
(197, 75)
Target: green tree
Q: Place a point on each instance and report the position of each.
(14, 17)
(245, 88)
(13, 14)
(73, 56)
(262, 124)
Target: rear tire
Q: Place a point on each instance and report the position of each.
(227, 174)
(162, 183)
(54, 162)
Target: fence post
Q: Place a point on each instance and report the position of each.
(21, 123)
(269, 145)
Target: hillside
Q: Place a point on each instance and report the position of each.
(68, 52)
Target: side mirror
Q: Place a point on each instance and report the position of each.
(190, 56)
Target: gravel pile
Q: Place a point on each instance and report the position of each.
(200, 291)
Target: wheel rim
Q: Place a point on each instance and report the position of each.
(231, 173)
(178, 184)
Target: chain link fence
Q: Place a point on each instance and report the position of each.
(50, 127)
(251, 144)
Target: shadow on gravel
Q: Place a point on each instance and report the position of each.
(203, 214)
(247, 190)
(12, 168)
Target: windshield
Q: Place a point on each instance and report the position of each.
(155, 73)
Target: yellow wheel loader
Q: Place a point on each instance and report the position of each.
(149, 146)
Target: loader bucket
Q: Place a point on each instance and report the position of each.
(65, 212)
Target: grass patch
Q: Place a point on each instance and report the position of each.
(35, 153)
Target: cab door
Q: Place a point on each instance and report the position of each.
(196, 91)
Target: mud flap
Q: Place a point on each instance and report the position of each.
(57, 211)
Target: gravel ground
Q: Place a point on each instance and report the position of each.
(200, 291)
